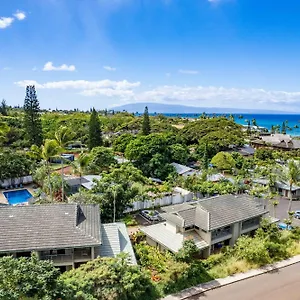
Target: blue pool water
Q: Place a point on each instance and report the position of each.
(17, 197)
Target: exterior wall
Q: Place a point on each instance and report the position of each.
(172, 227)
(151, 242)
(206, 236)
(236, 232)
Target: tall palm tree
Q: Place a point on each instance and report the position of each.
(290, 174)
(63, 136)
(79, 165)
(45, 152)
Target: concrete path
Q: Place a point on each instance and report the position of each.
(256, 284)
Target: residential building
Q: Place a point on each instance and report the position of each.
(183, 170)
(282, 188)
(67, 234)
(211, 223)
(75, 183)
(276, 141)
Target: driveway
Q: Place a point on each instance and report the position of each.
(279, 285)
(281, 210)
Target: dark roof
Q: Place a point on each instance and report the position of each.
(75, 181)
(215, 212)
(228, 209)
(38, 227)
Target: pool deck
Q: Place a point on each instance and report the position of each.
(3, 200)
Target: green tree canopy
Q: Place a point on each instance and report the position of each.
(32, 119)
(95, 133)
(223, 161)
(146, 129)
(121, 142)
(109, 279)
(100, 159)
(29, 278)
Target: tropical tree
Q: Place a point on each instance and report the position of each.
(63, 136)
(45, 152)
(223, 161)
(100, 159)
(32, 119)
(30, 278)
(95, 133)
(146, 129)
(290, 174)
(80, 165)
(3, 108)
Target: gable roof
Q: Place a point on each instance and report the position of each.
(181, 169)
(215, 212)
(38, 227)
(115, 239)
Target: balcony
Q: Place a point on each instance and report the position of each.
(59, 258)
(221, 234)
(250, 225)
(82, 255)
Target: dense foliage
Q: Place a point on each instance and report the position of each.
(32, 119)
(95, 134)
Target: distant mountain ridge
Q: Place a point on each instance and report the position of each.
(182, 109)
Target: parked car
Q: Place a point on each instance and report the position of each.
(297, 214)
(151, 215)
(284, 226)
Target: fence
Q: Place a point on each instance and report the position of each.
(13, 181)
(178, 196)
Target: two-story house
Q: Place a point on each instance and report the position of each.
(211, 223)
(67, 234)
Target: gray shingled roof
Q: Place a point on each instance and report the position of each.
(215, 212)
(181, 169)
(228, 209)
(115, 239)
(38, 227)
(171, 240)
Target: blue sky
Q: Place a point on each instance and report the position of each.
(103, 53)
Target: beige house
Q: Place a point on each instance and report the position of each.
(211, 223)
(67, 234)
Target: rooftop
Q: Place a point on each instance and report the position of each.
(215, 212)
(170, 240)
(115, 240)
(38, 227)
(181, 169)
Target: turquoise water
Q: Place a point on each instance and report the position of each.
(264, 120)
(17, 197)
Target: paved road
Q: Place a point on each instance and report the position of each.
(280, 285)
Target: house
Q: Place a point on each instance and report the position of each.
(282, 188)
(183, 170)
(66, 234)
(277, 141)
(211, 223)
(87, 182)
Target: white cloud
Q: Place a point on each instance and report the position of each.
(108, 68)
(105, 87)
(50, 67)
(5, 22)
(212, 96)
(190, 72)
(20, 15)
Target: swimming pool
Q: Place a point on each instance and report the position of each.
(17, 197)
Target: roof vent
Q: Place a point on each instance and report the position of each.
(66, 213)
(11, 216)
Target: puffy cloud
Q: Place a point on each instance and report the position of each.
(5, 22)
(50, 67)
(105, 87)
(108, 68)
(190, 72)
(220, 96)
(20, 15)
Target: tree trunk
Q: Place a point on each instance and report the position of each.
(49, 182)
(291, 200)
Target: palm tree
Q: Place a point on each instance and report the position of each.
(80, 164)
(63, 136)
(291, 175)
(45, 152)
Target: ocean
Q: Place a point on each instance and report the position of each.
(263, 120)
